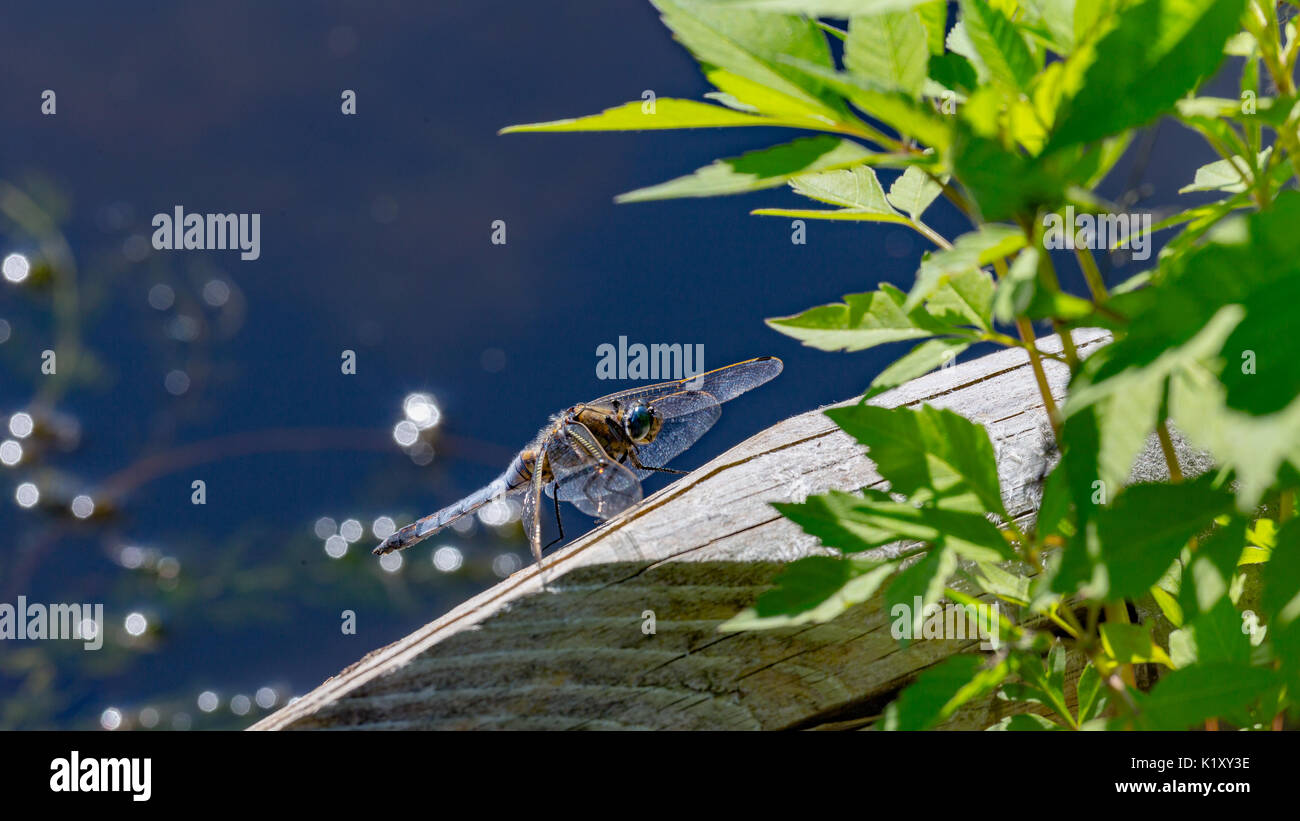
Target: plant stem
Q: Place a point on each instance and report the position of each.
(930, 234)
(1026, 331)
(1096, 285)
(1167, 447)
(1118, 613)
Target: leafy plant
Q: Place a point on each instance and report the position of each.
(1014, 111)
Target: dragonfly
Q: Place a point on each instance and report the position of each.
(595, 454)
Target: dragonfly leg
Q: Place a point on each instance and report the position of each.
(558, 522)
(637, 463)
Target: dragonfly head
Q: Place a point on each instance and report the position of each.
(641, 423)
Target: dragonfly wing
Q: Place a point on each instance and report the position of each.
(530, 517)
(587, 478)
(724, 384)
(687, 416)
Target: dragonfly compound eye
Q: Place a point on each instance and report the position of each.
(639, 422)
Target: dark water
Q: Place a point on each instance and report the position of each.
(375, 238)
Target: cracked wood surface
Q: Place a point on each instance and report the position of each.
(573, 655)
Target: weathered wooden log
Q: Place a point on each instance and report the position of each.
(573, 655)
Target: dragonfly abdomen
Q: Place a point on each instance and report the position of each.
(513, 479)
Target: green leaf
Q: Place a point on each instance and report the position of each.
(1132, 644)
(888, 51)
(1168, 604)
(1224, 175)
(1192, 334)
(919, 585)
(953, 71)
(969, 251)
(1209, 572)
(895, 109)
(840, 9)
(857, 189)
(1092, 699)
(1007, 184)
(964, 299)
(1214, 637)
(999, 44)
(744, 94)
(766, 168)
(843, 214)
(1187, 697)
(1017, 289)
(1023, 722)
(862, 321)
(913, 191)
(922, 359)
(1158, 52)
(1008, 586)
(812, 590)
(838, 520)
(855, 524)
(1144, 530)
(746, 43)
(1056, 17)
(1280, 599)
(668, 113)
(1044, 681)
(941, 690)
(934, 16)
(926, 449)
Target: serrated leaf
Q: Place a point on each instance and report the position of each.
(1158, 52)
(941, 690)
(888, 51)
(1213, 637)
(756, 170)
(999, 44)
(1016, 290)
(1006, 585)
(969, 251)
(841, 9)
(931, 354)
(856, 189)
(1025, 722)
(895, 109)
(746, 43)
(1280, 599)
(1142, 533)
(913, 191)
(862, 321)
(926, 449)
(964, 299)
(1091, 695)
(918, 586)
(1187, 697)
(815, 589)
(934, 16)
(1132, 644)
(838, 520)
(1224, 175)
(1056, 18)
(669, 113)
(843, 215)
